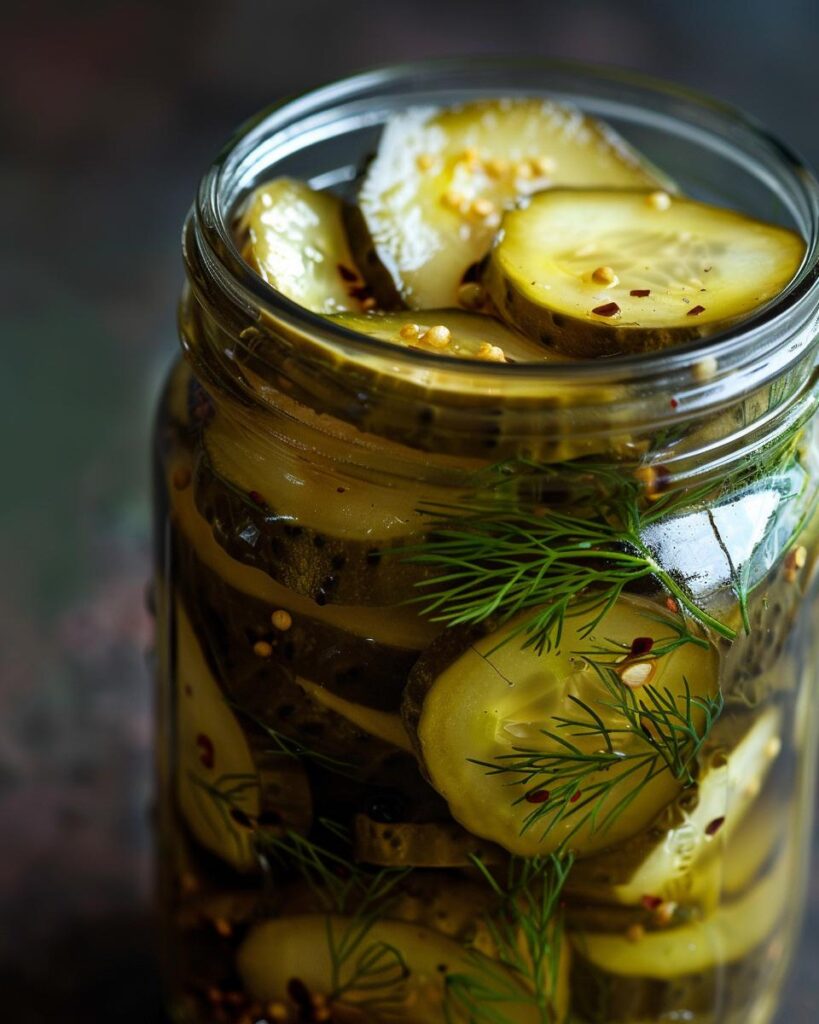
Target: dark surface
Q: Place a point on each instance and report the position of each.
(111, 111)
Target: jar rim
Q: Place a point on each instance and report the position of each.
(213, 212)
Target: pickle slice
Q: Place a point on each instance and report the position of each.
(603, 272)
(222, 788)
(482, 709)
(432, 196)
(404, 629)
(283, 526)
(450, 332)
(673, 860)
(406, 983)
(420, 844)
(729, 934)
(381, 724)
(294, 238)
(216, 774)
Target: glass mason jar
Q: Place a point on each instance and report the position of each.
(387, 580)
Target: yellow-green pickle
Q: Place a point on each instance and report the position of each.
(486, 560)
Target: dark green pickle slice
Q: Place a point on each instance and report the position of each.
(328, 569)
(420, 844)
(357, 669)
(379, 626)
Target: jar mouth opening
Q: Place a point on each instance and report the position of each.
(217, 202)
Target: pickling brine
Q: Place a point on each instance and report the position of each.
(486, 561)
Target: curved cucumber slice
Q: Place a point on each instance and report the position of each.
(295, 240)
(407, 982)
(432, 196)
(224, 784)
(216, 773)
(420, 844)
(381, 724)
(725, 794)
(486, 708)
(466, 335)
(387, 626)
(675, 858)
(602, 272)
(727, 935)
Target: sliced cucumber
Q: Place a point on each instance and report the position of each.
(729, 934)
(294, 238)
(403, 629)
(735, 993)
(680, 857)
(410, 987)
(356, 668)
(494, 698)
(215, 769)
(602, 272)
(223, 783)
(278, 528)
(451, 332)
(432, 196)
(420, 844)
(381, 724)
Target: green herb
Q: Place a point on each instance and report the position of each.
(666, 731)
(226, 794)
(527, 933)
(371, 970)
(289, 747)
(507, 549)
(504, 553)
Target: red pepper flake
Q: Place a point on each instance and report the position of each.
(640, 646)
(607, 309)
(673, 403)
(651, 902)
(576, 797)
(257, 499)
(207, 755)
(640, 293)
(714, 826)
(695, 311)
(537, 796)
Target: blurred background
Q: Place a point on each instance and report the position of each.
(110, 111)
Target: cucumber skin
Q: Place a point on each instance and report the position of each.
(571, 336)
(601, 998)
(265, 693)
(324, 568)
(354, 667)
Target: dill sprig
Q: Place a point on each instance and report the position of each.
(526, 932)
(508, 549)
(665, 731)
(286, 746)
(371, 970)
(227, 795)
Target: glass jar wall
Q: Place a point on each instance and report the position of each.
(486, 692)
